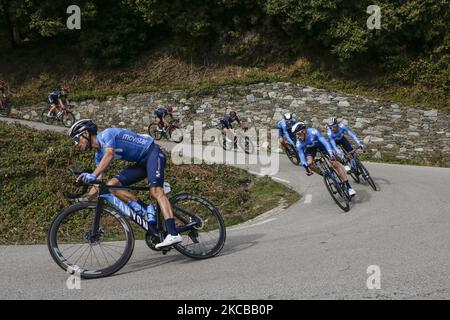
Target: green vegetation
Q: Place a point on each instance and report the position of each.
(128, 46)
(33, 176)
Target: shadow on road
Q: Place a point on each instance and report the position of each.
(240, 242)
(232, 245)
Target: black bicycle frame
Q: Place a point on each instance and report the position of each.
(157, 230)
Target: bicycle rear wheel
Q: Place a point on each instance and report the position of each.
(246, 144)
(200, 224)
(176, 134)
(75, 247)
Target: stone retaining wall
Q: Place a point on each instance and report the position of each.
(389, 130)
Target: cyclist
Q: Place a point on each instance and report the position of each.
(336, 137)
(161, 114)
(3, 88)
(149, 162)
(284, 127)
(58, 100)
(227, 125)
(309, 140)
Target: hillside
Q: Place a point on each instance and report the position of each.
(33, 174)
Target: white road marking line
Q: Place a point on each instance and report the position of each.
(252, 225)
(274, 178)
(281, 180)
(308, 198)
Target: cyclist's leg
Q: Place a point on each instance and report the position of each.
(155, 167)
(347, 146)
(156, 163)
(281, 138)
(310, 155)
(127, 177)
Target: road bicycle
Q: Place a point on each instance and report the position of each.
(358, 169)
(237, 139)
(333, 182)
(4, 107)
(63, 116)
(171, 132)
(95, 239)
(291, 153)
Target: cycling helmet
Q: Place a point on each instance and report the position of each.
(332, 122)
(299, 126)
(81, 126)
(287, 116)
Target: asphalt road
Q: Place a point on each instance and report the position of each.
(312, 250)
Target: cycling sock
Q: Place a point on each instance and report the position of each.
(171, 229)
(347, 184)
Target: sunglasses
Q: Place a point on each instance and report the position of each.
(76, 139)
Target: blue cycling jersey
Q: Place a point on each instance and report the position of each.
(314, 140)
(339, 135)
(227, 121)
(161, 112)
(54, 96)
(127, 145)
(285, 127)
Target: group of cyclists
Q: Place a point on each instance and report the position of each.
(148, 160)
(308, 141)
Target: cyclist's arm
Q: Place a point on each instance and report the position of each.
(333, 143)
(301, 154)
(352, 135)
(326, 145)
(61, 104)
(104, 163)
(287, 135)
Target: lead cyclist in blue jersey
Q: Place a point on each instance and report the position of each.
(284, 127)
(149, 162)
(336, 136)
(309, 140)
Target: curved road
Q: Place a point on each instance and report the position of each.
(312, 250)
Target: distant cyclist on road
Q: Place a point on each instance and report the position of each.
(226, 124)
(161, 113)
(284, 127)
(58, 100)
(336, 132)
(309, 140)
(149, 162)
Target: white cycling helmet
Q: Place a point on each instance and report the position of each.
(299, 126)
(287, 116)
(332, 122)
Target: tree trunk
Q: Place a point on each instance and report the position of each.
(6, 4)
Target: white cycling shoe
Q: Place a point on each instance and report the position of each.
(351, 192)
(169, 241)
(347, 169)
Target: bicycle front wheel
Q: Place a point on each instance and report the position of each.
(336, 192)
(45, 118)
(200, 224)
(292, 154)
(154, 132)
(366, 175)
(77, 248)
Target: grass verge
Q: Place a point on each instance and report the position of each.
(33, 175)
